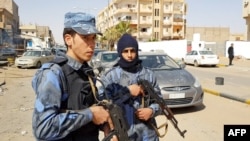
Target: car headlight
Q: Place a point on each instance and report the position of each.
(29, 61)
(197, 82)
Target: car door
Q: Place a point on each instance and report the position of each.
(188, 57)
(43, 57)
(193, 56)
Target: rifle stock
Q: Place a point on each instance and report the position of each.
(149, 91)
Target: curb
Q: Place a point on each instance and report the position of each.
(221, 65)
(247, 101)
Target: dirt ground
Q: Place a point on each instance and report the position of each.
(16, 104)
(17, 99)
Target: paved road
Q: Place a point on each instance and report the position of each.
(236, 79)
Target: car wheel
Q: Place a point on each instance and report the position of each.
(196, 64)
(213, 65)
(39, 64)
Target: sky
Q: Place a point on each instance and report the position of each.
(200, 13)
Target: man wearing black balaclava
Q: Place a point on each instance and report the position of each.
(121, 86)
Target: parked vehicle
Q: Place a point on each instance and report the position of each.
(34, 58)
(105, 60)
(179, 87)
(201, 57)
(97, 50)
(7, 52)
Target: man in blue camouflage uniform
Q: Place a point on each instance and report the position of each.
(121, 86)
(64, 109)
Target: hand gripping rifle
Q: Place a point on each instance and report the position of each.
(150, 93)
(120, 128)
(115, 112)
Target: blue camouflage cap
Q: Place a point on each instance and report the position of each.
(82, 23)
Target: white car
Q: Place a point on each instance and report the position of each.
(201, 57)
(34, 58)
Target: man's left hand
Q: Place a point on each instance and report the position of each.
(144, 113)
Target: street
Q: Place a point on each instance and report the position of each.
(236, 78)
(202, 123)
(206, 122)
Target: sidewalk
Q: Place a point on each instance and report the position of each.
(230, 89)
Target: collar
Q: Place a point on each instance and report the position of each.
(75, 64)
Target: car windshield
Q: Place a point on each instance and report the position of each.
(97, 51)
(206, 52)
(158, 62)
(109, 57)
(32, 53)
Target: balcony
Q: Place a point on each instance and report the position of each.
(1, 25)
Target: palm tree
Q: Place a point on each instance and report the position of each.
(115, 32)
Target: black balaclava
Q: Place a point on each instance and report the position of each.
(124, 42)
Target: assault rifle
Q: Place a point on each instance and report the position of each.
(151, 94)
(115, 112)
(120, 126)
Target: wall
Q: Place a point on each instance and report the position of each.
(241, 48)
(174, 48)
(209, 34)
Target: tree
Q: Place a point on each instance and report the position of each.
(114, 33)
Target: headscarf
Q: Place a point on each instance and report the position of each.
(124, 42)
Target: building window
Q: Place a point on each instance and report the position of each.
(156, 1)
(156, 23)
(166, 6)
(157, 13)
(143, 29)
(131, 6)
(156, 35)
(128, 17)
(144, 18)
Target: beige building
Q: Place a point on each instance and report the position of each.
(153, 19)
(42, 32)
(14, 35)
(246, 16)
(9, 22)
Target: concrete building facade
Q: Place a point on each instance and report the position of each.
(42, 32)
(153, 19)
(14, 35)
(9, 22)
(246, 16)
